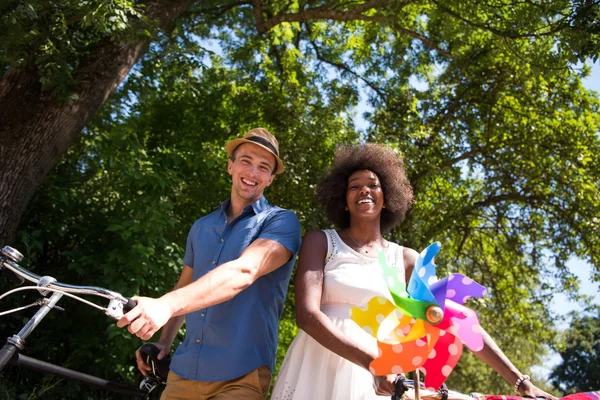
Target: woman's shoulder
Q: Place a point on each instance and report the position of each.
(314, 238)
(410, 257)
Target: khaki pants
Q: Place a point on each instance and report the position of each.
(252, 386)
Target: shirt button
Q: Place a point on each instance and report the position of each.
(202, 314)
(214, 262)
(222, 240)
(197, 340)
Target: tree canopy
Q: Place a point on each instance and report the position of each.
(481, 98)
(580, 352)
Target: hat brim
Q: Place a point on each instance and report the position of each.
(231, 146)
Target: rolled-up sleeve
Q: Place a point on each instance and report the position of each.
(283, 227)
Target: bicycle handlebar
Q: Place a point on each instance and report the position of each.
(8, 261)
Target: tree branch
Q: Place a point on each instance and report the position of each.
(325, 12)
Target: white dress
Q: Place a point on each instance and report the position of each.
(309, 370)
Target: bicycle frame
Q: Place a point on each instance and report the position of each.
(10, 352)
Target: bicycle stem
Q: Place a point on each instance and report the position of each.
(19, 338)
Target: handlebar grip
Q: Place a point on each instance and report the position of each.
(129, 306)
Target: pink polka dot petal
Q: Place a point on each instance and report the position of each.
(379, 352)
(422, 272)
(405, 329)
(484, 292)
(446, 370)
(399, 314)
(450, 293)
(432, 354)
(468, 313)
(467, 281)
(397, 348)
(382, 300)
(453, 349)
(465, 299)
(479, 348)
(451, 277)
(380, 318)
(420, 342)
(417, 361)
(372, 370)
(442, 332)
(476, 328)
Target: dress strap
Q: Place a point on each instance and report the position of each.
(331, 245)
(398, 257)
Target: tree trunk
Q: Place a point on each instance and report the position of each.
(36, 129)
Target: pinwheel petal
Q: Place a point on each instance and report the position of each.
(394, 279)
(400, 357)
(461, 288)
(442, 360)
(466, 323)
(372, 315)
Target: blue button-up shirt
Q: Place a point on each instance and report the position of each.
(230, 339)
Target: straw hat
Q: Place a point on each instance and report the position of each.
(260, 137)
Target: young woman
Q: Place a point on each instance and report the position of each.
(365, 194)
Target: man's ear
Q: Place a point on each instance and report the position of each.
(229, 166)
(271, 180)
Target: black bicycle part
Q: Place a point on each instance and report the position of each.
(42, 366)
(7, 353)
(159, 368)
(401, 387)
(443, 390)
(129, 306)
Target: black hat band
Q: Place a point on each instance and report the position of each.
(264, 142)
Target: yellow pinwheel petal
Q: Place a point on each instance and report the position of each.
(370, 317)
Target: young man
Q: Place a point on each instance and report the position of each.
(231, 291)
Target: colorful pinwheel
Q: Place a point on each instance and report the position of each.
(426, 325)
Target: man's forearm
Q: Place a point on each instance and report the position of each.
(218, 286)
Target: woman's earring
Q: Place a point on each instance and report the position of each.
(346, 208)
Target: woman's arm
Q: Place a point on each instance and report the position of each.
(410, 258)
(309, 318)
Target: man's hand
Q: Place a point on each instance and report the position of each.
(141, 364)
(147, 317)
(384, 385)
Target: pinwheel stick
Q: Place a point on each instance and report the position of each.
(417, 384)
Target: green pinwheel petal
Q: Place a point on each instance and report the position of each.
(397, 287)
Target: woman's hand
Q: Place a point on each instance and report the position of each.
(528, 389)
(384, 385)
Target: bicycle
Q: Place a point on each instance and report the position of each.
(47, 285)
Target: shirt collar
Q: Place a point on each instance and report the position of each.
(258, 206)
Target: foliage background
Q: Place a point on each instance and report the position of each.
(500, 141)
